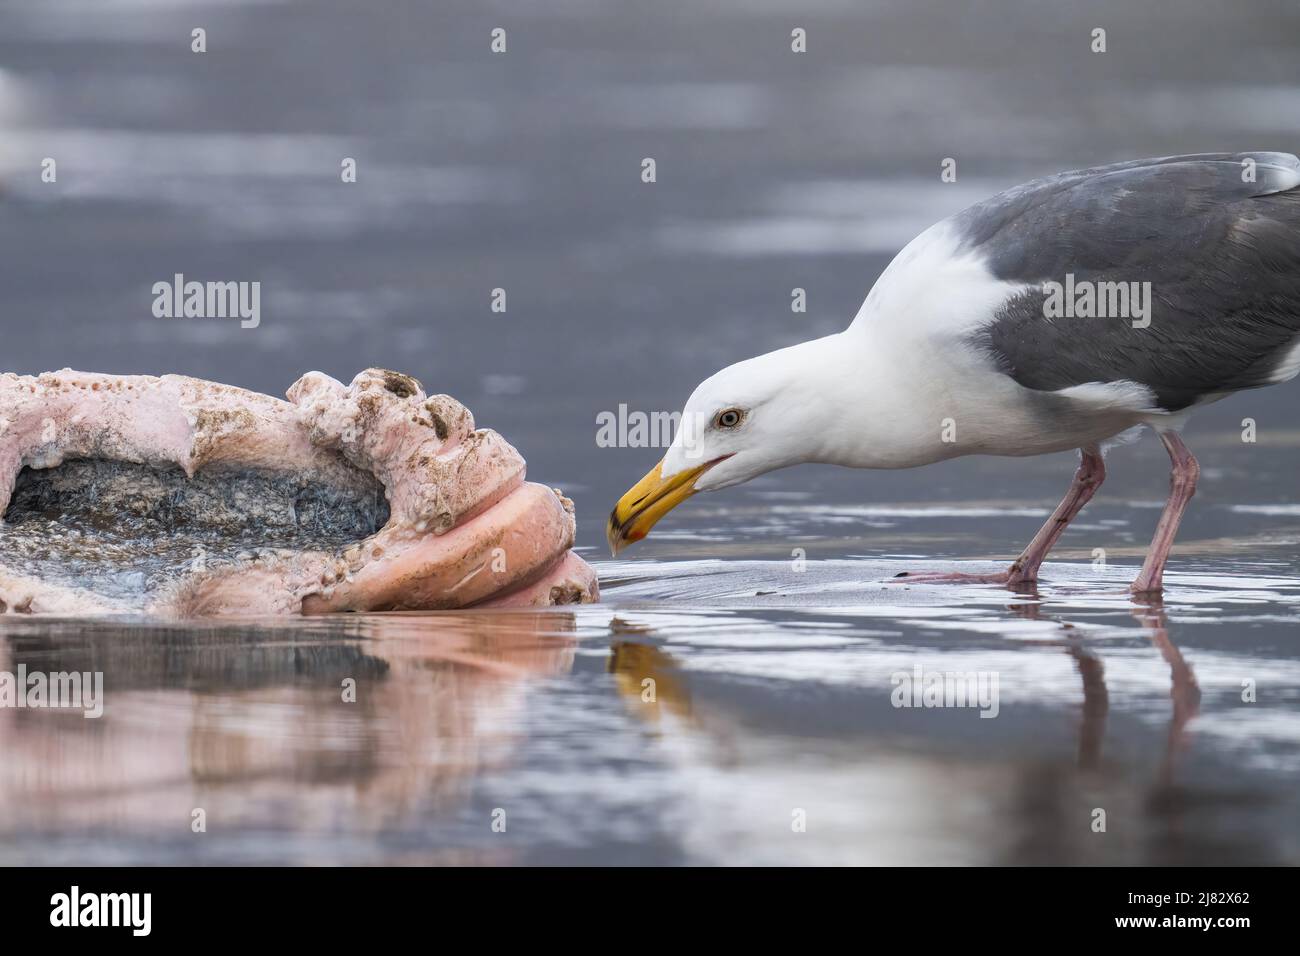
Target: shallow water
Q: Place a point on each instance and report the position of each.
(772, 685)
(709, 711)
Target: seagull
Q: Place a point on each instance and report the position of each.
(1054, 316)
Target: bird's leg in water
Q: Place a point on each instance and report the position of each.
(1088, 478)
(1182, 485)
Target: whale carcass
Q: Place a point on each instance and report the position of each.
(173, 496)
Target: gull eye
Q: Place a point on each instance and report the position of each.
(729, 418)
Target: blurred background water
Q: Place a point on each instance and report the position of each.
(521, 171)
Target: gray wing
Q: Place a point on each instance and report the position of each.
(1222, 254)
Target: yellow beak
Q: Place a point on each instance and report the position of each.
(649, 500)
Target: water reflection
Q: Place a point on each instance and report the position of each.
(688, 719)
(356, 725)
(1096, 704)
(645, 675)
(1150, 612)
(1034, 797)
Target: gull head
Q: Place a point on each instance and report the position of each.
(753, 417)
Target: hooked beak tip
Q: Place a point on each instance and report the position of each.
(648, 501)
(621, 534)
(615, 540)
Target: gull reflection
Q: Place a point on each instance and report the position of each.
(1149, 611)
(1092, 675)
(647, 677)
(1183, 691)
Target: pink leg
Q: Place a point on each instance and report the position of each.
(1091, 473)
(1182, 485)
